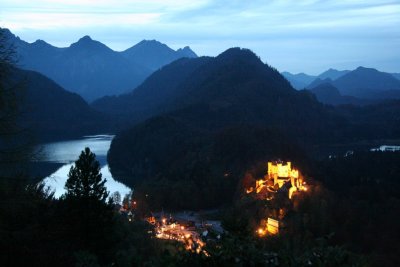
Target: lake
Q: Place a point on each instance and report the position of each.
(67, 152)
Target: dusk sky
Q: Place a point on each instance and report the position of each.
(297, 36)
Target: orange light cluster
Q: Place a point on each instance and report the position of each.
(279, 174)
(177, 232)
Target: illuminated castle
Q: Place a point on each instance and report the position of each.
(280, 173)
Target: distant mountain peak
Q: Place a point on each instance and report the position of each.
(153, 54)
(9, 35)
(89, 67)
(87, 43)
(40, 43)
(6, 32)
(236, 52)
(361, 68)
(187, 52)
(85, 38)
(299, 80)
(319, 81)
(366, 83)
(333, 74)
(151, 43)
(186, 48)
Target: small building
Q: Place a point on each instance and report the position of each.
(273, 226)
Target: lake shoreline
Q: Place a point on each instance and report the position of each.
(57, 158)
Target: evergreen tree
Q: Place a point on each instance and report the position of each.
(85, 180)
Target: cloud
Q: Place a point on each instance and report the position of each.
(47, 20)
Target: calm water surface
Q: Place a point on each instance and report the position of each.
(67, 152)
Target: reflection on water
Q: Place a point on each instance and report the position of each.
(68, 151)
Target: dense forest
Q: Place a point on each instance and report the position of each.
(226, 115)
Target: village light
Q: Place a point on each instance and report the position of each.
(261, 232)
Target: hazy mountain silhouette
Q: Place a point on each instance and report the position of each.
(332, 74)
(93, 70)
(318, 82)
(300, 80)
(363, 83)
(153, 54)
(303, 80)
(366, 83)
(328, 94)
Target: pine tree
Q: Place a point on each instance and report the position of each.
(85, 180)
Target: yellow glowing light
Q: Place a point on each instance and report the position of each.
(279, 174)
(182, 227)
(164, 220)
(261, 231)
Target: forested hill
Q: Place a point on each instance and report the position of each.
(231, 88)
(151, 97)
(227, 114)
(51, 113)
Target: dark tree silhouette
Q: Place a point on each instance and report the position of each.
(85, 180)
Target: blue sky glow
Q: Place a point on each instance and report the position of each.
(308, 35)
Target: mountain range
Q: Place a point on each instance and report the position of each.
(328, 94)
(360, 86)
(299, 80)
(92, 69)
(303, 80)
(367, 82)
